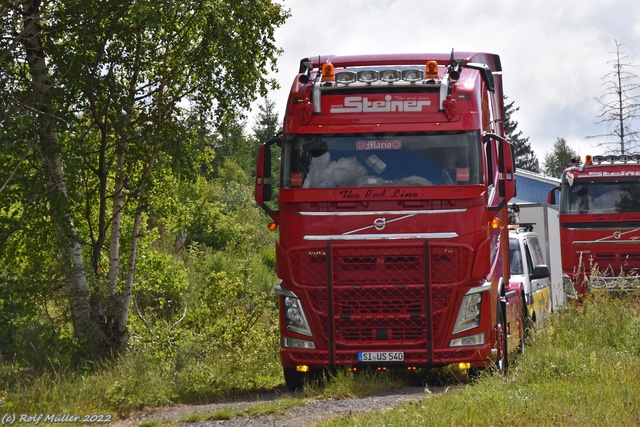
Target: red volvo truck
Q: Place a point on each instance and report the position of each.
(600, 224)
(391, 201)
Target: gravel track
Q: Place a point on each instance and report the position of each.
(309, 414)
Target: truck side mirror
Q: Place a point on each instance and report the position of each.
(551, 197)
(264, 190)
(267, 194)
(540, 272)
(506, 167)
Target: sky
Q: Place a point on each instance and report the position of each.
(555, 53)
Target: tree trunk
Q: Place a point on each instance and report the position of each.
(87, 332)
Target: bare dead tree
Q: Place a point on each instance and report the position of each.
(620, 106)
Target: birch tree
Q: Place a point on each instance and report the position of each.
(108, 88)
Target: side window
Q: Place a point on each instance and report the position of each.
(536, 251)
(489, 160)
(529, 260)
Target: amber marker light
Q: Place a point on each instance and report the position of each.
(328, 74)
(588, 160)
(272, 226)
(431, 70)
(495, 223)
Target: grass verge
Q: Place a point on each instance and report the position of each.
(583, 369)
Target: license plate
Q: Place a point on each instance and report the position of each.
(380, 356)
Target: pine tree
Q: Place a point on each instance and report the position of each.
(525, 157)
(267, 122)
(559, 159)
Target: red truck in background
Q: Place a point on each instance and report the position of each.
(391, 203)
(600, 224)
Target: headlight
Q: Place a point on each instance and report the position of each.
(469, 312)
(293, 312)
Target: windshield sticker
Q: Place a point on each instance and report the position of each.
(463, 174)
(386, 193)
(296, 179)
(394, 144)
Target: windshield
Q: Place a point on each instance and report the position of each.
(355, 160)
(588, 197)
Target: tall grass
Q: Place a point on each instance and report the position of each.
(583, 369)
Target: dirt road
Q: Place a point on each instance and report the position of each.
(309, 414)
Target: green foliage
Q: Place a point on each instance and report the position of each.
(224, 342)
(146, 96)
(559, 159)
(524, 155)
(267, 122)
(161, 285)
(127, 104)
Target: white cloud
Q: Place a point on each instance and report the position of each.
(554, 53)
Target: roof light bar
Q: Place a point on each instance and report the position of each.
(369, 76)
(612, 158)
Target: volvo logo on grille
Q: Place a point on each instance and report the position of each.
(380, 223)
(617, 234)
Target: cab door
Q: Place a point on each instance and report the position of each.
(539, 279)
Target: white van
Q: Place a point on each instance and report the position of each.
(529, 268)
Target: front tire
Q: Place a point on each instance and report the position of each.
(529, 327)
(502, 359)
(296, 381)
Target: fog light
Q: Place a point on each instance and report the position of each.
(471, 340)
(289, 342)
(302, 368)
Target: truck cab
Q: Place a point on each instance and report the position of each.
(528, 268)
(388, 254)
(599, 224)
